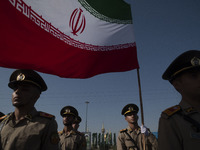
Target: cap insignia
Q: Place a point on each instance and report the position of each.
(20, 77)
(130, 109)
(195, 61)
(67, 111)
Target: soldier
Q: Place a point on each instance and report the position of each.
(179, 126)
(26, 128)
(76, 123)
(70, 139)
(131, 137)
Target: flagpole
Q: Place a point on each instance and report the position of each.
(140, 95)
(141, 106)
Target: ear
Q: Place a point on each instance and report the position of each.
(125, 118)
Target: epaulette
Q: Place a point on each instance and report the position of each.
(43, 114)
(123, 130)
(3, 117)
(172, 110)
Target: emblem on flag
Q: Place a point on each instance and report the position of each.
(77, 21)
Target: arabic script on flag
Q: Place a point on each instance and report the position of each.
(66, 38)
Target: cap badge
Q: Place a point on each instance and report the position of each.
(67, 111)
(195, 61)
(20, 77)
(130, 109)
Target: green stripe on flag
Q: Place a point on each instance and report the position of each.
(114, 11)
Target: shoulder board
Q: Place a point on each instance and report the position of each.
(5, 117)
(1, 118)
(123, 130)
(43, 114)
(172, 110)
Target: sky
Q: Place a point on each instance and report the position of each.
(163, 30)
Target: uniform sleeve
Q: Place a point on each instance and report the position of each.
(152, 142)
(120, 142)
(168, 135)
(83, 143)
(50, 140)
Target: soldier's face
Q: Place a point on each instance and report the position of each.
(68, 119)
(131, 117)
(25, 95)
(188, 84)
(75, 126)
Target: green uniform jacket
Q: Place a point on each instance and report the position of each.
(175, 132)
(124, 142)
(37, 131)
(75, 140)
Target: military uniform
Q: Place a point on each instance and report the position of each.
(176, 131)
(129, 139)
(179, 126)
(37, 131)
(132, 140)
(73, 141)
(78, 121)
(34, 131)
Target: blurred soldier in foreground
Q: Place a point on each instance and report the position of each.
(131, 137)
(26, 128)
(179, 126)
(70, 139)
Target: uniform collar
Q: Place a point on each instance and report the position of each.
(138, 130)
(32, 114)
(29, 116)
(69, 133)
(187, 108)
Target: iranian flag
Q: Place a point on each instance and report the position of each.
(67, 38)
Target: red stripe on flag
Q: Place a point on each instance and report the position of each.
(24, 45)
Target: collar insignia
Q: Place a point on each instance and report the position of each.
(190, 109)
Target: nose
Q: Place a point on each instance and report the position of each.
(18, 89)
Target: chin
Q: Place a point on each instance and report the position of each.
(67, 123)
(18, 105)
